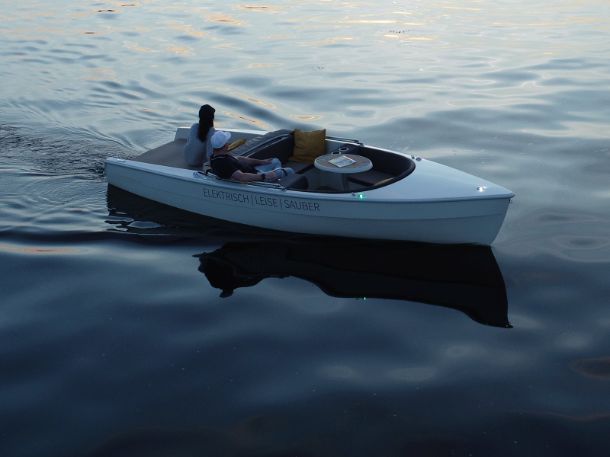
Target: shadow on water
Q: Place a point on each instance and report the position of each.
(465, 278)
(129, 213)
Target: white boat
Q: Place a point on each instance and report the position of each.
(402, 197)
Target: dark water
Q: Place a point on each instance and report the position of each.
(131, 329)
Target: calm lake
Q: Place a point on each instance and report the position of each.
(131, 329)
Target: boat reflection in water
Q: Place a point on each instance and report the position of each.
(465, 278)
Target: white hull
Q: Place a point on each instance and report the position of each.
(441, 221)
(434, 204)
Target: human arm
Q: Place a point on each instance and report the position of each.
(253, 162)
(242, 176)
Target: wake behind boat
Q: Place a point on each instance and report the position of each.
(352, 190)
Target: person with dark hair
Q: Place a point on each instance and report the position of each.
(243, 169)
(198, 148)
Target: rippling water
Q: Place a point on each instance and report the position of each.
(128, 328)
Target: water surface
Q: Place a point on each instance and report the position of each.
(128, 328)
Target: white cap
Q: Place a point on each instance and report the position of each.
(219, 139)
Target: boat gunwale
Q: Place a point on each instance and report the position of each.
(196, 176)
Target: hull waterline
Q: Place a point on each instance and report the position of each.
(361, 215)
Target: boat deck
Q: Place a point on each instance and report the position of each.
(387, 167)
(169, 154)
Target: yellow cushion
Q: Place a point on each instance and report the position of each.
(308, 145)
(236, 143)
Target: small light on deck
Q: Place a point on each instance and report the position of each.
(481, 188)
(361, 196)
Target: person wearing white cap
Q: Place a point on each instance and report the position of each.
(243, 169)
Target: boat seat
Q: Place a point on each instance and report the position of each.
(296, 182)
(299, 167)
(279, 144)
(275, 141)
(369, 178)
(387, 168)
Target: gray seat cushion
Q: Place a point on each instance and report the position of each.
(260, 143)
(299, 167)
(298, 182)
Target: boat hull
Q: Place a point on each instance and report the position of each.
(358, 215)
